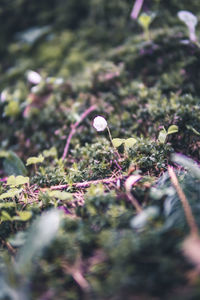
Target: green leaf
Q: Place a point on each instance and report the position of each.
(193, 129)
(162, 136)
(23, 216)
(12, 163)
(117, 142)
(34, 160)
(12, 109)
(130, 142)
(10, 193)
(60, 195)
(5, 216)
(4, 153)
(172, 129)
(16, 181)
(51, 152)
(187, 163)
(146, 19)
(39, 236)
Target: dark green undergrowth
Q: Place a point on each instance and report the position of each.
(69, 226)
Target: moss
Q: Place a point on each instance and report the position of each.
(91, 53)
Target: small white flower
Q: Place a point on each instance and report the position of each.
(100, 123)
(3, 95)
(33, 77)
(190, 21)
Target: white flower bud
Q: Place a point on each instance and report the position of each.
(33, 77)
(3, 95)
(188, 18)
(100, 123)
(190, 21)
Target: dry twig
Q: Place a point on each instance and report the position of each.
(86, 184)
(187, 209)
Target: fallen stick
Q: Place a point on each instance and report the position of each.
(86, 183)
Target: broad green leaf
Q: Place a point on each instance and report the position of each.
(23, 216)
(162, 136)
(12, 109)
(130, 142)
(39, 236)
(51, 152)
(172, 129)
(187, 163)
(5, 216)
(12, 163)
(34, 160)
(60, 195)
(10, 193)
(117, 142)
(16, 181)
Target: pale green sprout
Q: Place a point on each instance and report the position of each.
(21, 216)
(13, 181)
(10, 193)
(15, 184)
(60, 195)
(52, 152)
(128, 143)
(163, 133)
(100, 124)
(12, 109)
(145, 20)
(34, 160)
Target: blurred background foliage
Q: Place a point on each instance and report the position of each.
(91, 52)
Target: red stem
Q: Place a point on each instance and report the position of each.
(73, 130)
(136, 8)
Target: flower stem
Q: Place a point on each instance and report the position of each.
(110, 136)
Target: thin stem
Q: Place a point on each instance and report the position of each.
(134, 202)
(147, 34)
(187, 209)
(110, 136)
(73, 130)
(8, 245)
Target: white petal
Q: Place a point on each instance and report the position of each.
(188, 18)
(33, 77)
(100, 123)
(3, 96)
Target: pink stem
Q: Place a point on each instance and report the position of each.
(73, 130)
(136, 8)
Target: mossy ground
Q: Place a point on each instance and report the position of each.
(91, 54)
